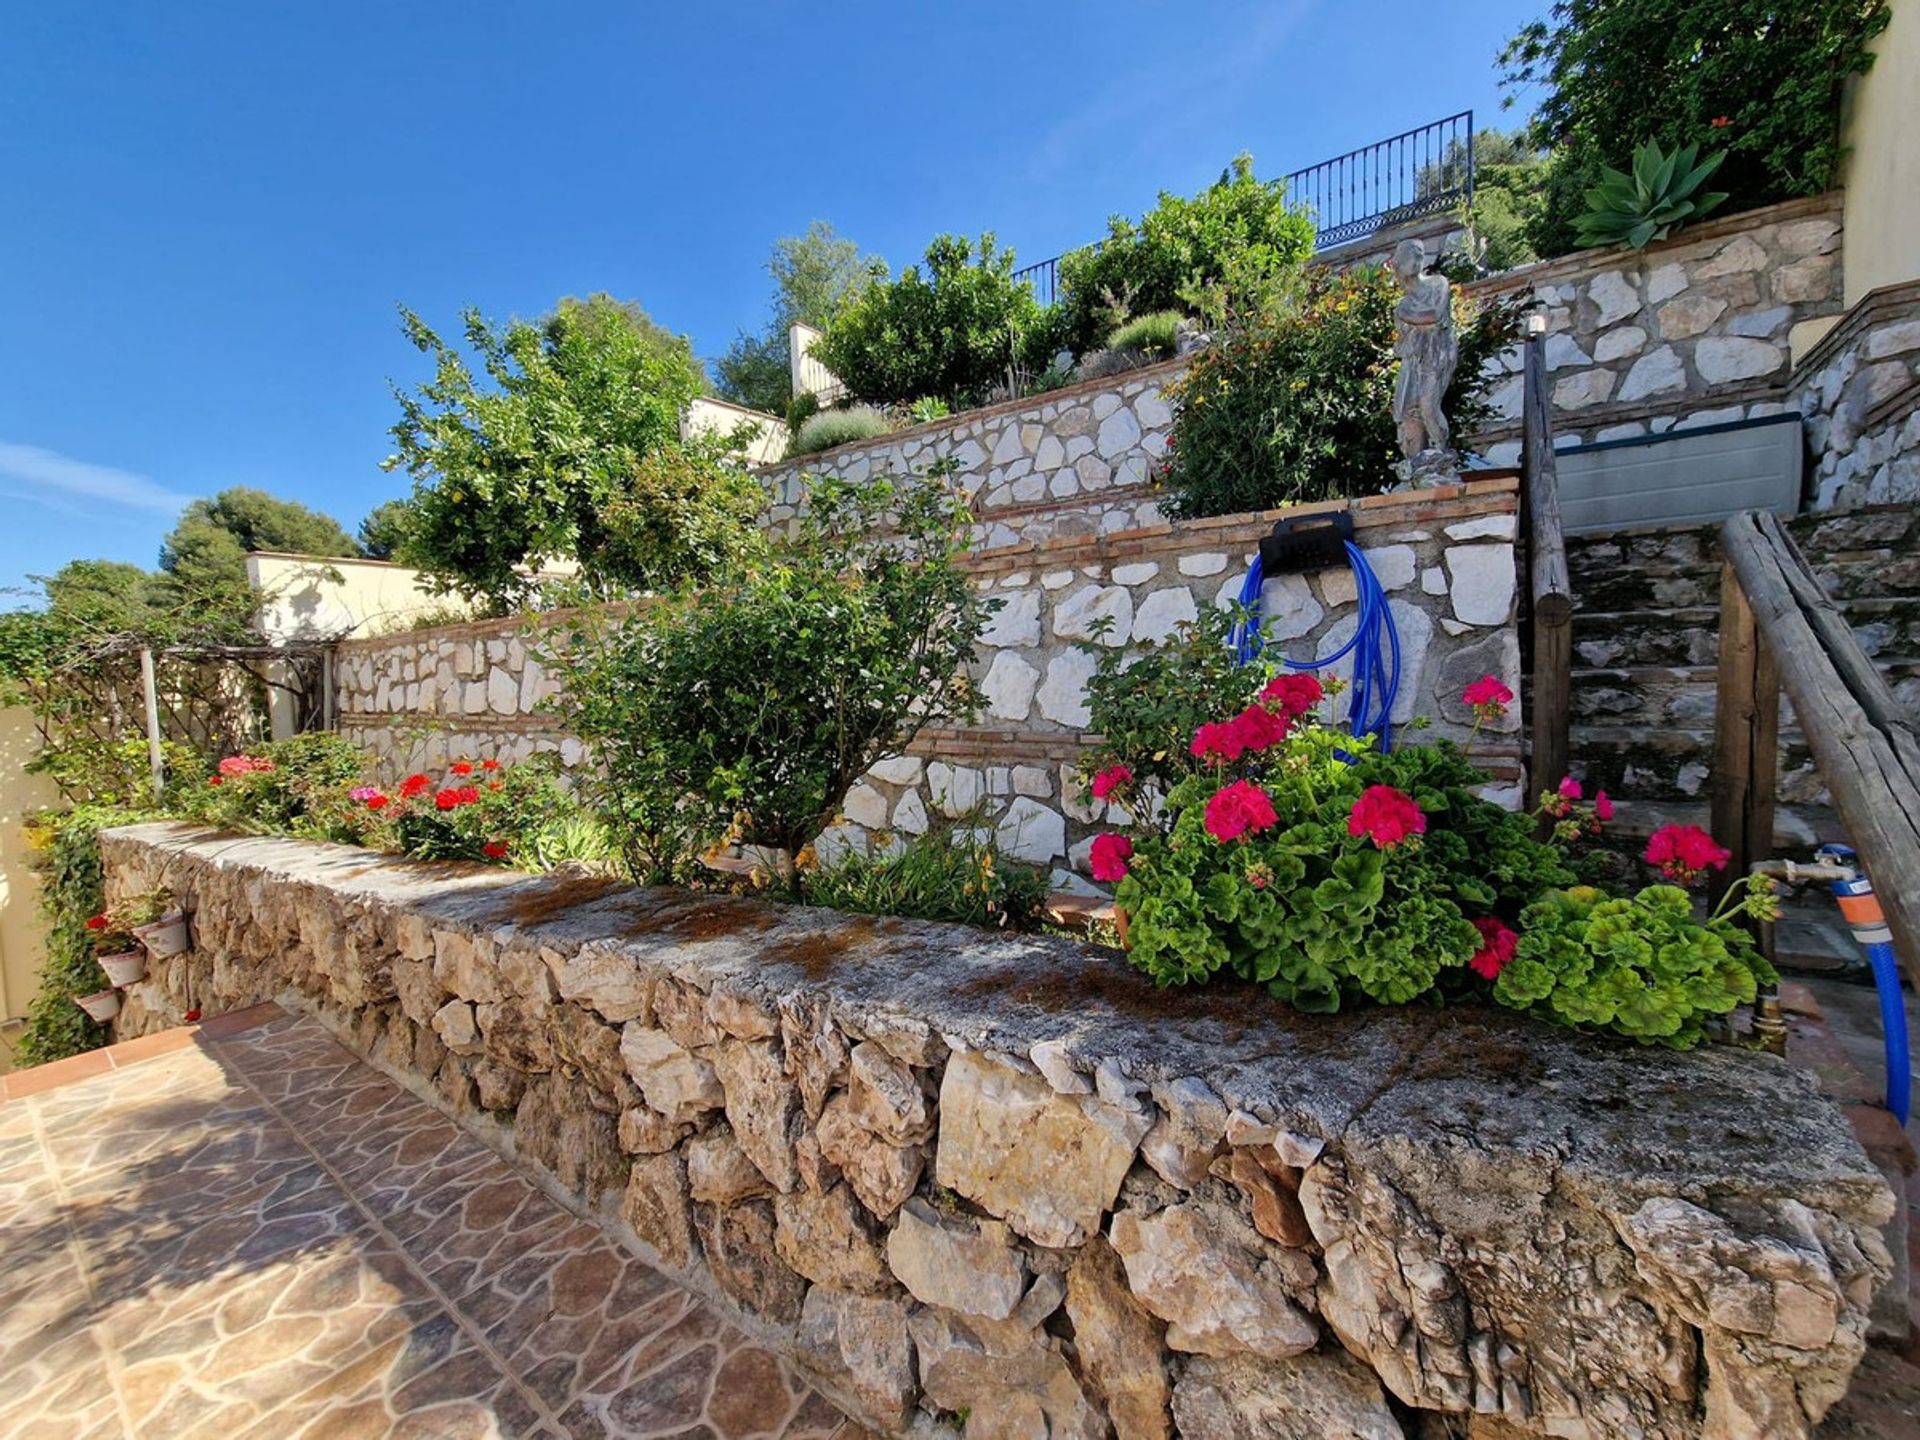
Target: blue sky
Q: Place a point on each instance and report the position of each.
(208, 211)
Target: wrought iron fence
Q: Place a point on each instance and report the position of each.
(1421, 172)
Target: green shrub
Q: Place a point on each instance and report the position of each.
(927, 409)
(954, 331)
(73, 888)
(1180, 247)
(744, 711)
(284, 787)
(1761, 79)
(1509, 198)
(1297, 403)
(506, 814)
(953, 872)
(1662, 191)
(838, 427)
(1154, 335)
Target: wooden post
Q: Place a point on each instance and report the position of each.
(156, 757)
(1862, 740)
(1746, 743)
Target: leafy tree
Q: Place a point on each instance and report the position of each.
(383, 534)
(952, 332)
(564, 445)
(1179, 247)
(813, 275)
(213, 536)
(1758, 78)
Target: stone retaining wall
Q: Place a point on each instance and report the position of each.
(1860, 391)
(1696, 330)
(1006, 1183)
(1445, 557)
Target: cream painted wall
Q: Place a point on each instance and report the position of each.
(1883, 170)
(306, 599)
(720, 417)
(20, 794)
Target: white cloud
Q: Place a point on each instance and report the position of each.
(53, 479)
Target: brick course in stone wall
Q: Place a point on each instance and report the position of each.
(959, 1174)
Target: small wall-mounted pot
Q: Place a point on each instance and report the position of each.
(101, 1006)
(124, 968)
(165, 937)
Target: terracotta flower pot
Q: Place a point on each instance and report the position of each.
(124, 968)
(165, 937)
(1120, 924)
(102, 1005)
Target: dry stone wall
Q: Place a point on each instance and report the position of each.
(1859, 389)
(960, 1176)
(1444, 557)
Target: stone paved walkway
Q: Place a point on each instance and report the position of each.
(257, 1237)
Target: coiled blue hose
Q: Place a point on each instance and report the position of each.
(1375, 647)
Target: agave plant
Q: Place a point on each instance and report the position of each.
(1646, 205)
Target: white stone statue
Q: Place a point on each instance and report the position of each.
(1428, 348)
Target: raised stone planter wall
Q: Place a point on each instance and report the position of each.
(1696, 330)
(1445, 557)
(959, 1175)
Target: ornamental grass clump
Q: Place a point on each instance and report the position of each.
(839, 427)
(1274, 848)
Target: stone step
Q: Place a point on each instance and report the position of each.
(1690, 635)
(1673, 765)
(1684, 695)
(1797, 829)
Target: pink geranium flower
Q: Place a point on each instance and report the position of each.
(1109, 857)
(1241, 808)
(1685, 853)
(1497, 944)
(1570, 789)
(1110, 780)
(1218, 740)
(1488, 697)
(1386, 816)
(1293, 693)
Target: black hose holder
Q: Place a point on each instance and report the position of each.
(1301, 544)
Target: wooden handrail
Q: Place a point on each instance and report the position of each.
(1780, 630)
(1549, 591)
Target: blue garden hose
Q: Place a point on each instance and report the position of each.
(1860, 908)
(1375, 647)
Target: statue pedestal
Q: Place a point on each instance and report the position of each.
(1428, 469)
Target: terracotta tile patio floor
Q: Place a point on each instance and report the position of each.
(250, 1234)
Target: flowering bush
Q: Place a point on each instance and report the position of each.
(288, 785)
(481, 811)
(1292, 855)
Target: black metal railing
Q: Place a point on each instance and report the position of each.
(1421, 172)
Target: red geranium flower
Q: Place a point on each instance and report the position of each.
(213, 779)
(192, 1015)
(1241, 808)
(1295, 694)
(1685, 853)
(98, 922)
(1488, 697)
(1109, 857)
(461, 767)
(1258, 728)
(1496, 948)
(1720, 122)
(494, 849)
(1218, 740)
(379, 802)
(414, 785)
(453, 799)
(1110, 780)
(1385, 816)
(489, 764)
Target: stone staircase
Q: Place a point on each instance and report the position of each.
(1645, 641)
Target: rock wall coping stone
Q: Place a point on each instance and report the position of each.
(952, 1172)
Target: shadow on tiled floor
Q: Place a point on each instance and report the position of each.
(258, 1237)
